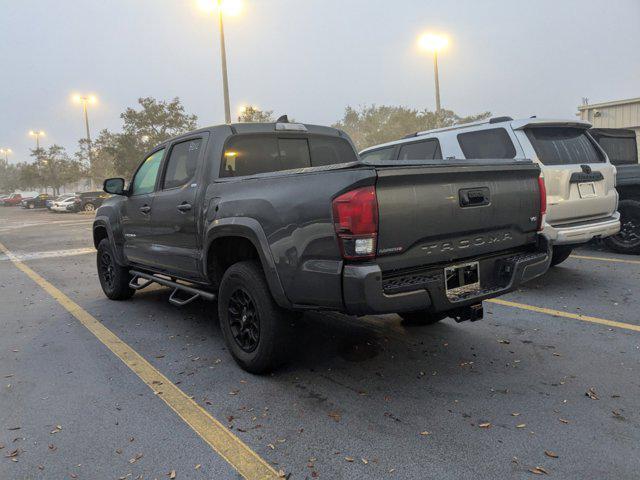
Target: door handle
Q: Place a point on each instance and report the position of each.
(145, 209)
(184, 207)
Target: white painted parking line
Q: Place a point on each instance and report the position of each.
(26, 256)
(17, 226)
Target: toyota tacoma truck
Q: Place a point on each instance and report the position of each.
(278, 218)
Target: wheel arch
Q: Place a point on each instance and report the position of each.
(250, 230)
(102, 229)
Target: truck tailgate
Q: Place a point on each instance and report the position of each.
(432, 213)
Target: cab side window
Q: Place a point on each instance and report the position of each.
(182, 163)
(425, 150)
(145, 179)
(381, 154)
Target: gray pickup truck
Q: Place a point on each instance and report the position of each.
(273, 219)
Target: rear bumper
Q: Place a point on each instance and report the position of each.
(367, 290)
(582, 232)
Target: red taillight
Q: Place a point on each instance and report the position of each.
(543, 203)
(355, 217)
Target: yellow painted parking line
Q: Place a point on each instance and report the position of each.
(606, 259)
(240, 456)
(560, 313)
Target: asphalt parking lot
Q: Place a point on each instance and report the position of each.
(546, 384)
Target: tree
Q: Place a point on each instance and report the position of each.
(102, 165)
(53, 168)
(251, 114)
(155, 122)
(9, 177)
(373, 125)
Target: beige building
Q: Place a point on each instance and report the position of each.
(616, 114)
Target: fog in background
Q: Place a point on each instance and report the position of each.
(307, 58)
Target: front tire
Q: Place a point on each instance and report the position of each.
(255, 329)
(628, 240)
(114, 278)
(560, 254)
(421, 317)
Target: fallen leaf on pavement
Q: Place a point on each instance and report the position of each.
(348, 459)
(551, 454)
(172, 474)
(563, 420)
(425, 433)
(485, 425)
(335, 416)
(136, 458)
(538, 471)
(521, 425)
(15, 453)
(591, 393)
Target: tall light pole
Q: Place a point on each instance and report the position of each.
(85, 100)
(6, 152)
(37, 134)
(223, 7)
(434, 43)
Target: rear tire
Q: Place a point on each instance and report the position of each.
(628, 240)
(421, 317)
(560, 254)
(114, 278)
(255, 329)
(89, 207)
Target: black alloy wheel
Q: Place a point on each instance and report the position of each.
(107, 269)
(244, 320)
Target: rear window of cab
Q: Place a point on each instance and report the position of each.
(251, 154)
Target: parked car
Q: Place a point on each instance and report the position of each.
(39, 201)
(272, 219)
(580, 181)
(12, 200)
(50, 200)
(622, 149)
(89, 201)
(65, 203)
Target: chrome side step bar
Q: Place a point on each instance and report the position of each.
(177, 287)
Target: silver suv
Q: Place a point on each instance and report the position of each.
(579, 179)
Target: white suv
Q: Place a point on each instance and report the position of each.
(580, 181)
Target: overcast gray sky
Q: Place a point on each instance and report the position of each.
(307, 58)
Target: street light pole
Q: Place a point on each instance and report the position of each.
(37, 134)
(225, 80)
(435, 72)
(6, 152)
(85, 100)
(434, 43)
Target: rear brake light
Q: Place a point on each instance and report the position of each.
(543, 203)
(355, 217)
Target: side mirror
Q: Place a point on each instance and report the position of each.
(114, 186)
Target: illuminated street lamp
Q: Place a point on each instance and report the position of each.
(37, 134)
(85, 100)
(6, 152)
(434, 43)
(230, 8)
